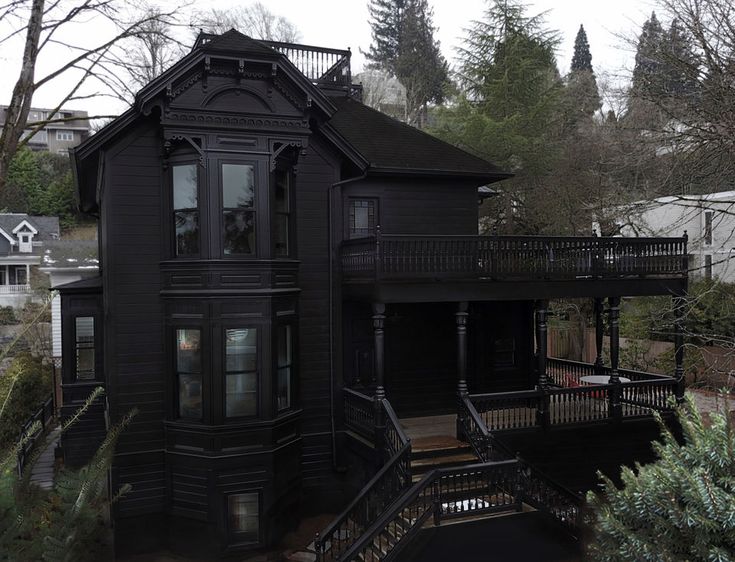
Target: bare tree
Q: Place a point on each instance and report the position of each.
(254, 20)
(80, 69)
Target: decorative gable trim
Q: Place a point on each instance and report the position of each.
(28, 225)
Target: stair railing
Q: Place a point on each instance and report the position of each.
(393, 478)
(477, 434)
(442, 494)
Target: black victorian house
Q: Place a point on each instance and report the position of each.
(290, 279)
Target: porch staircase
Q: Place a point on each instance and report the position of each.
(440, 451)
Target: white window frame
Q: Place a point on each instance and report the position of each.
(64, 135)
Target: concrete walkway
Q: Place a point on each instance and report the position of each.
(42, 473)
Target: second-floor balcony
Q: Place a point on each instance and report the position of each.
(396, 258)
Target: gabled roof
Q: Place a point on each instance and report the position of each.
(27, 225)
(234, 41)
(47, 228)
(391, 146)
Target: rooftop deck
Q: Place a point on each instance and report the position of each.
(395, 258)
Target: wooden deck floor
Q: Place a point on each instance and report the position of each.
(430, 426)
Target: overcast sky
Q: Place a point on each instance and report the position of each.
(344, 23)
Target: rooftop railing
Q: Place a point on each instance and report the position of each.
(321, 65)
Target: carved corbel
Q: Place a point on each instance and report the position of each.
(170, 141)
(277, 146)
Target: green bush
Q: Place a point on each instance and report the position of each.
(32, 384)
(7, 316)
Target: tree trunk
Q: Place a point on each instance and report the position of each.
(16, 115)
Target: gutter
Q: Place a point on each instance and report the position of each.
(330, 246)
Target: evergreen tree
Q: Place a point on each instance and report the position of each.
(682, 507)
(582, 59)
(508, 111)
(404, 45)
(648, 63)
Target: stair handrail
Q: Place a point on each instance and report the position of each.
(378, 494)
(431, 507)
(480, 438)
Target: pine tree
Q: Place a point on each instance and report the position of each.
(582, 59)
(682, 507)
(648, 62)
(404, 45)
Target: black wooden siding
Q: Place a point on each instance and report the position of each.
(317, 171)
(419, 207)
(134, 359)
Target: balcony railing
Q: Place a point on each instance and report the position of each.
(320, 65)
(14, 289)
(398, 257)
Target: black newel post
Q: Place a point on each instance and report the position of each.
(543, 413)
(599, 332)
(679, 346)
(461, 320)
(616, 408)
(379, 346)
(542, 308)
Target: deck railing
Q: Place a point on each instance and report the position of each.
(569, 400)
(318, 64)
(393, 478)
(14, 289)
(28, 438)
(359, 413)
(386, 257)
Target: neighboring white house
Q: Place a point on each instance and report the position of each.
(708, 219)
(67, 261)
(22, 240)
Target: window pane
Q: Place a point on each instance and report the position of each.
(243, 514)
(239, 232)
(187, 232)
(238, 185)
(282, 189)
(190, 396)
(84, 347)
(241, 349)
(284, 345)
(281, 235)
(241, 395)
(362, 218)
(284, 388)
(185, 186)
(188, 353)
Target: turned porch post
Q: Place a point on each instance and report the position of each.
(379, 345)
(679, 346)
(614, 319)
(542, 308)
(461, 320)
(599, 332)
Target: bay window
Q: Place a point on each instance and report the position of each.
(241, 375)
(243, 515)
(189, 373)
(184, 180)
(282, 214)
(284, 364)
(238, 209)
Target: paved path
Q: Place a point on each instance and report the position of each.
(42, 473)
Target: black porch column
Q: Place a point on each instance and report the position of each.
(614, 318)
(542, 308)
(379, 346)
(679, 346)
(461, 319)
(599, 332)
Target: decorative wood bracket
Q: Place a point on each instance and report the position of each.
(277, 146)
(168, 145)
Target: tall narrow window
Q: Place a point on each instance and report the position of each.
(238, 209)
(282, 215)
(243, 515)
(241, 376)
(708, 266)
(189, 372)
(186, 209)
(84, 347)
(708, 216)
(362, 215)
(284, 366)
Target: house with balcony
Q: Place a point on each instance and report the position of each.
(22, 242)
(65, 129)
(293, 294)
